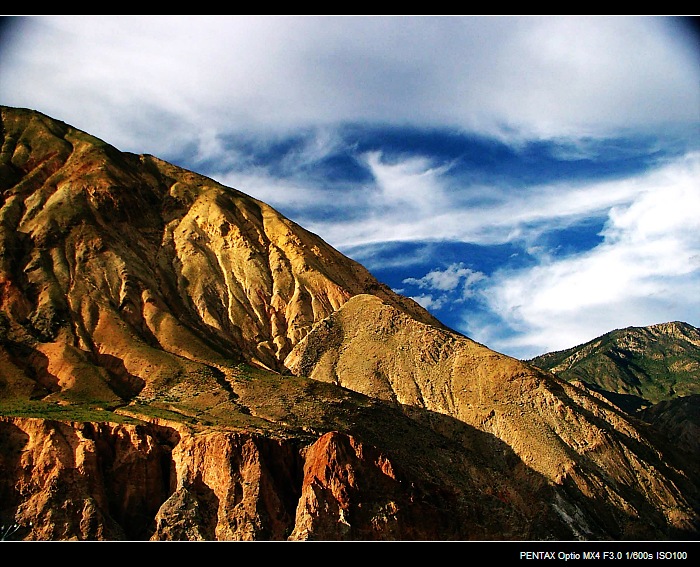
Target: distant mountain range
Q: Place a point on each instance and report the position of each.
(636, 366)
(179, 361)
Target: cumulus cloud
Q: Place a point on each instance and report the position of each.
(453, 277)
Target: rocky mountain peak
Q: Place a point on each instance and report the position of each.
(178, 360)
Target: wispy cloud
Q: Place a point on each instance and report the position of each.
(643, 272)
(153, 83)
(413, 200)
(559, 149)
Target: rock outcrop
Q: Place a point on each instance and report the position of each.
(178, 361)
(560, 430)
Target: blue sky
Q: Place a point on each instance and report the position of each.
(533, 181)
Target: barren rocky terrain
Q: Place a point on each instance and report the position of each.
(179, 361)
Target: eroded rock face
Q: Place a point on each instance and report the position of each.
(113, 482)
(352, 491)
(82, 480)
(560, 430)
(346, 486)
(302, 398)
(120, 272)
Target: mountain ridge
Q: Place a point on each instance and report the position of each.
(647, 364)
(180, 361)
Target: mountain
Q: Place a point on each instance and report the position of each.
(650, 372)
(179, 361)
(679, 421)
(636, 366)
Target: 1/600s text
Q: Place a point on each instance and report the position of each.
(603, 555)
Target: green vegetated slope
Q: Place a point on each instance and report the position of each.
(641, 365)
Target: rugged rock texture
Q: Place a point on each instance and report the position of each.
(560, 430)
(178, 361)
(82, 480)
(120, 272)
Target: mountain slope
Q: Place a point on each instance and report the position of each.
(180, 361)
(643, 365)
(562, 431)
(150, 269)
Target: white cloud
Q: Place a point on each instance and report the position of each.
(412, 185)
(583, 73)
(429, 302)
(450, 279)
(149, 84)
(449, 287)
(645, 271)
(413, 200)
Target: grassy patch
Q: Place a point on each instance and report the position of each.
(60, 412)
